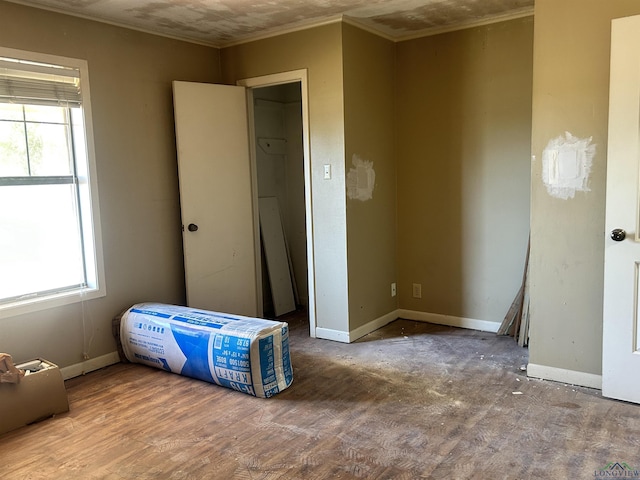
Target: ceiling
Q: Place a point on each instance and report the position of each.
(224, 22)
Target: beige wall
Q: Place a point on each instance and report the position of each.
(463, 153)
(130, 75)
(570, 93)
(319, 50)
(369, 66)
(458, 154)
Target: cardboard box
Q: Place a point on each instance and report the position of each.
(39, 395)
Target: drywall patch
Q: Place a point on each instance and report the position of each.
(566, 165)
(361, 179)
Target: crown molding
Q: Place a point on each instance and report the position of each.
(276, 32)
(513, 15)
(301, 26)
(113, 23)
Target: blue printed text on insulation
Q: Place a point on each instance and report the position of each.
(231, 361)
(151, 312)
(286, 359)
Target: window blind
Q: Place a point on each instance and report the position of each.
(37, 83)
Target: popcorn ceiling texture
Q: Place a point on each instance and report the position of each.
(220, 22)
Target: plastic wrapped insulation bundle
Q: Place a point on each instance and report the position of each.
(250, 355)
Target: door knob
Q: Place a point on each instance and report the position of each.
(618, 234)
(192, 227)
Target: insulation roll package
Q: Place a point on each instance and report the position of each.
(250, 355)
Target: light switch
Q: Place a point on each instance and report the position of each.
(327, 171)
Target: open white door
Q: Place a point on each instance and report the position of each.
(621, 335)
(216, 197)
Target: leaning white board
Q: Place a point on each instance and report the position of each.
(250, 355)
(276, 256)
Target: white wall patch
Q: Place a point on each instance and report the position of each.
(566, 165)
(361, 179)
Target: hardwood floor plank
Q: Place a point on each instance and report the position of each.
(409, 401)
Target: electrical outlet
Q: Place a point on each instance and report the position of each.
(417, 290)
(393, 289)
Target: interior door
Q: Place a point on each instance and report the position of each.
(219, 237)
(621, 340)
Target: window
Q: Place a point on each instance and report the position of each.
(50, 250)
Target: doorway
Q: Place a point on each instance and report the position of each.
(277, 120)
(281, 179)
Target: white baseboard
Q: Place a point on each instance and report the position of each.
(571, 377)
(449, 320)
(372, 326)
(353, 335)
(330, 334)
(90, 365)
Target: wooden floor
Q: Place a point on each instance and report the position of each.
(409, 401)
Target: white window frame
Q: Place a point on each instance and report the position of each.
(89, 199)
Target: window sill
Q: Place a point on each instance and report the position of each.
(31, 305)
